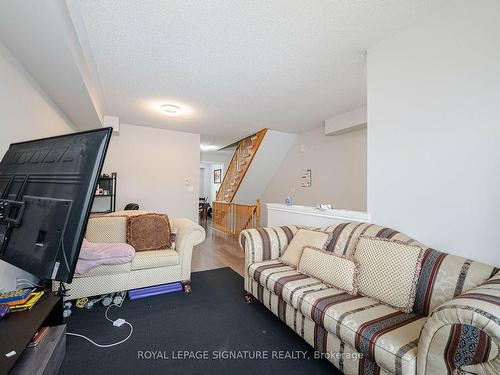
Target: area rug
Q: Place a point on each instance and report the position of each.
(209, 331)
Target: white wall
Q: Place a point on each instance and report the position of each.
(219, 157)
(204, 189)
(338, 165)
(25, 113)
(348, 121)
(272, 151)
(152, 166)
(433, 134)
(211, 187)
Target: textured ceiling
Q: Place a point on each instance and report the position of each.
(238, 66)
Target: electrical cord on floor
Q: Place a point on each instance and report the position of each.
(117, 323)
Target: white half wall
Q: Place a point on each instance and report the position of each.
(338, 167)
(153, 166)
(26, 113)
(433, 134)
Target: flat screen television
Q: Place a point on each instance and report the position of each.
(47, 188)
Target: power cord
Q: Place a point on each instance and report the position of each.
(116, 323)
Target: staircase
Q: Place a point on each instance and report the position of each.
(252, 166)
(238, 167)
(229, 217)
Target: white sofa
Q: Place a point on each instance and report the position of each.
(453, 328)
(146, 269)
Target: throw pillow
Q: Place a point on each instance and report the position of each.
(388, 270)
(334, 270)
(303, 237)
(149, 232)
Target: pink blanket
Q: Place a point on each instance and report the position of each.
(95, 254)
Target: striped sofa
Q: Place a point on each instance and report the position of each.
(454, 327)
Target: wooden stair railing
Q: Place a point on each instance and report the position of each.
(232, 218)
(238, 167)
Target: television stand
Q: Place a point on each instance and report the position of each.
(19, 328)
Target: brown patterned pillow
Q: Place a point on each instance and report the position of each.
(149, 232)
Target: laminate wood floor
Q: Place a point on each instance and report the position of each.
(217, 251)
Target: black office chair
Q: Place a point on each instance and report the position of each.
(132, 207)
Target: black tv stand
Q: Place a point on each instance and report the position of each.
(18, 329)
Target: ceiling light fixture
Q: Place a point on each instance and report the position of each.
(170, 109)
(208, 147)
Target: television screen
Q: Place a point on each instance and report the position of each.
(47, 187)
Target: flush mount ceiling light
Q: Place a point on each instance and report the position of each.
(208, 147)
(170, 109)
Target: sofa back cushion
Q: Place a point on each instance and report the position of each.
(446, 276)
(334, 270)
(303, 237)
(105, 229)
(388, 271)
(442, 276)
(343, 237)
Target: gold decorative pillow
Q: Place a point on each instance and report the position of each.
(303, 237)
(388, 270)
(149, 232)
(334, 270)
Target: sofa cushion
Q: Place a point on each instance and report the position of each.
(283, 280)
(343, 237)
(154, 259)
(105, 229)
(303, 237)
(385, 335)
(105, 269)
(334, 270)
(388, 270)
(442, 277)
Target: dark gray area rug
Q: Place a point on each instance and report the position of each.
(190, 334)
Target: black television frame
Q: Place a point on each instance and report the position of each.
(79, 221)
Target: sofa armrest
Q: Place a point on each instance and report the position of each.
(189, 234)
(265, 243)
(463, 334)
